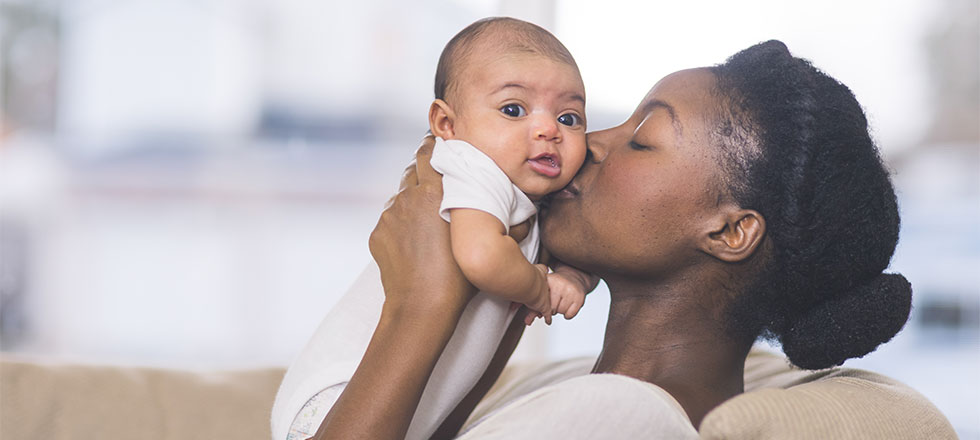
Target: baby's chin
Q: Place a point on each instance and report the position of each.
(537, 194)
(537, 187)
(535, 197)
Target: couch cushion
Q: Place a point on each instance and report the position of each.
(62, 401)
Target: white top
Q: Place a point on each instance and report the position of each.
(544, 406)
(471, 179)
(321, 371)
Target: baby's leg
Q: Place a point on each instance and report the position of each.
(321, 371)
(463, 362)
(308, 421)
(332, 353)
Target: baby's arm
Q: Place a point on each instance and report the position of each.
(493, 261)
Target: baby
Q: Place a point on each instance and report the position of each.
(510, 104)
(509, 117)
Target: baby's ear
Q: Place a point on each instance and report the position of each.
(441, 119)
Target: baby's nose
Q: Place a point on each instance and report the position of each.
(546, 128)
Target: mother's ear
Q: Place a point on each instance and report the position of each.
(735, 234)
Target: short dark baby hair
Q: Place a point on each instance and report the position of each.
(513, 36)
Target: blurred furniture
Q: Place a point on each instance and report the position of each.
(74, 401)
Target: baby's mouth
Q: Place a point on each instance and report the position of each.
(546, 164)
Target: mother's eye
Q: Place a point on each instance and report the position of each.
(513, 110)
(637, 146)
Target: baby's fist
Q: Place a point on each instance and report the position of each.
(567, 297)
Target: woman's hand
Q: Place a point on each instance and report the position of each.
(411, 243)
(425, 294)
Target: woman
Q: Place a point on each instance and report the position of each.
(740, 200)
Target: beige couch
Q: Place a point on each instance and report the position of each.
(40, 400)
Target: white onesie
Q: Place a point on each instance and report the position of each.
(321, 371)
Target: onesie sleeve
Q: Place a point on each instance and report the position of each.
(471, 179)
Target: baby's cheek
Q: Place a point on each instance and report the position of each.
(571, 168)
(576, 157)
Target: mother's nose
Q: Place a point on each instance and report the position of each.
(596, 147)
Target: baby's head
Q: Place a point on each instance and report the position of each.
(513, 90)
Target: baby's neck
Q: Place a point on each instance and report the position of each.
(675, 345)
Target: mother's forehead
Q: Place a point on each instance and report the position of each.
(687, 89)
(686, 96)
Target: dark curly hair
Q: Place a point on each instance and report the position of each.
(796, 148)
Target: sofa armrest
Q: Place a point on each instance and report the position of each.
(782, 402)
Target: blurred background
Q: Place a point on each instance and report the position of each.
(192, 183)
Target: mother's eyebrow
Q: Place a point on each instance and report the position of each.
(653, 104)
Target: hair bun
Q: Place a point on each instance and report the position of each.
(851, 325)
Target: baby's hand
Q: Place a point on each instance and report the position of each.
(567, 296)
(540, 302)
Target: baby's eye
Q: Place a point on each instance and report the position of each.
(513, 110)
(570, 119)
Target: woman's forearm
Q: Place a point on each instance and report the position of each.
(382, 396)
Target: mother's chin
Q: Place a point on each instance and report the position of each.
(561, 226)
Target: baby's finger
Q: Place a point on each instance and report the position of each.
(557, 305)
(573, 310)
(529, 318)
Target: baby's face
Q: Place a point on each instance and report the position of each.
(527, 112)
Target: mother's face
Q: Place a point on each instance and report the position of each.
(638, 205)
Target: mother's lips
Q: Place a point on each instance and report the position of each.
(570, 190)
(572, 187)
